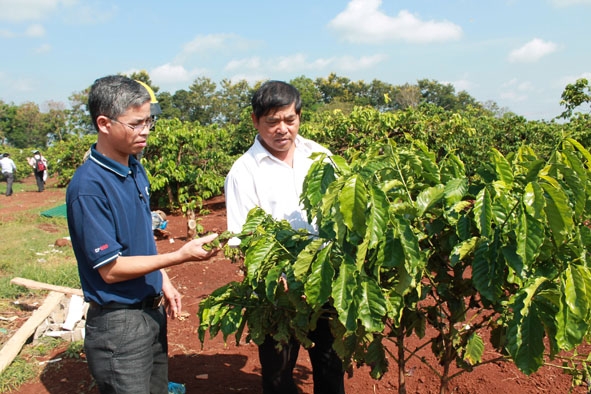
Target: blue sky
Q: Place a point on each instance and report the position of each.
(518, 53)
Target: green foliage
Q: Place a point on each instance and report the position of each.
(186, 163)
(510, 241)
(574, 96)
(67, 155)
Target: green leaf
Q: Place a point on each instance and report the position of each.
(231, 321)
(340, 164)
(413, 259)
(353, 203)
(558, 212)
(502, 167)
(343, 291)
(474, 349)
(319, 283)
(455, 190)
(376, 357)
(378, 216)
(302, 264)
(461, 250)
(320, 175)
(533, 200)
(487, 273)
(573, 182)
(530, 237)
(429, 197)
(272, 281)
(483, 213)
(525, 332)
(581, 149)
(372, 305)
(575, 281)
(255, 258)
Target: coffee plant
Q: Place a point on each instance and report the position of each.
(409, 243)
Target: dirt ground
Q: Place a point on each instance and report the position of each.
(218, 368)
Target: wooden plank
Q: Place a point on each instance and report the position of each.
(14, 345)
(32, 284)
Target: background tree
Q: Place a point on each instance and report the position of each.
(202, 99)
(231, 99)
(55, 121)
(145, 78)
(27, 129)
(575, 95)
(7, 114)
(407, 96)
(78, 117)
(310, 94)
(334, 88)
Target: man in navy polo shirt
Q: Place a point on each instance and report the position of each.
(110, 224)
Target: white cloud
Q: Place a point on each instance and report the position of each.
(43, 48)
(363, 22)
(248, 63)
(25, 10)
(23, 85)
(349, 63)
(171, 73)
(300, 63)
(214, 43)
(35, 30)
(532, 51)
(566, 3)
(6, 33)
(570, 79)
(462, 84)
(516, 91)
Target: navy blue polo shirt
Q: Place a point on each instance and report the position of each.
(109, 216)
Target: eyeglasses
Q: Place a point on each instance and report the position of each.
(139, 127)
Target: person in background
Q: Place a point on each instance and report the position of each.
(8, 170)
(121, 273)
(270, 175)
(39, 164)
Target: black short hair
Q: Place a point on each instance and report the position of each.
(275, 94)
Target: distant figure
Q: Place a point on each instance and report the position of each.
(8, 170)
(39, 164)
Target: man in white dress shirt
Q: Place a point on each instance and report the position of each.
(270, 175)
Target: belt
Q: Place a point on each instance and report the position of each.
(152, 302)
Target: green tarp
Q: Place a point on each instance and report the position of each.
(59, 211)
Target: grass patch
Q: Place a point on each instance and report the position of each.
(29, 252)
(25, 367)
(28, 244)
(17, 373)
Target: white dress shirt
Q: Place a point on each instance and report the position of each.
(258, 178)
(7, 165)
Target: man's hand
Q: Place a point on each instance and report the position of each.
(200, 248)
(172, 297)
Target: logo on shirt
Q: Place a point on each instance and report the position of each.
(101, 248)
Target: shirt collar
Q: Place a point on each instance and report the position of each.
(260, 152)
(112, 165)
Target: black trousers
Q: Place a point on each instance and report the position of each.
(40, 182)
(327, 367)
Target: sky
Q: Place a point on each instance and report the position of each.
(520, 54)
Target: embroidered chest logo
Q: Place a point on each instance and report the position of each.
(101, 248)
